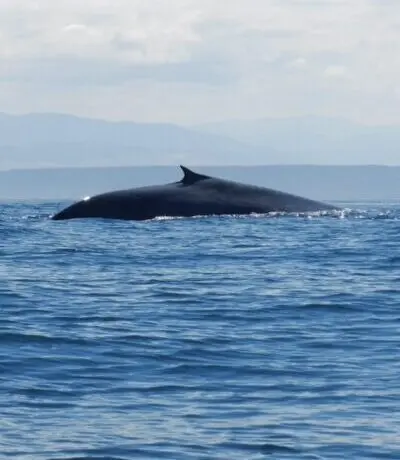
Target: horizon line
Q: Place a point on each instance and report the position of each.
(241, 166)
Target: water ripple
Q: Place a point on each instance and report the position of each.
(206, 338)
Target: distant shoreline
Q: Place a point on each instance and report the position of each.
(320, 182)
(206, 166)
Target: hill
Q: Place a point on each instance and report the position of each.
(315, 140)
(51, 140)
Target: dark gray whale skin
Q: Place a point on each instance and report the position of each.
(194, 195)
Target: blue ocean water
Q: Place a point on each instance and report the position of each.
(206, 338)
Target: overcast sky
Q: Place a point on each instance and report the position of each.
(190, 61)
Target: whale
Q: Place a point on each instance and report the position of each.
(194, 195)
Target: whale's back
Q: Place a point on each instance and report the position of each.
(195, 194)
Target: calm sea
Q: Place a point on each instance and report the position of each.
(205, 338)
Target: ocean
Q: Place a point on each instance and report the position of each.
(255, 337)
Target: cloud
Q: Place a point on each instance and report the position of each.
(248, 57)
(335, 71)
(298, 63)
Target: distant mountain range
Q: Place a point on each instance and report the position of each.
(53, 140)
(49, 140)
(315, 140)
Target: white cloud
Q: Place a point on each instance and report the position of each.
(202, 59)
(335, 71)
(298, 63)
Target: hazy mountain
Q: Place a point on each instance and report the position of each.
(315, 140)
(49, 140)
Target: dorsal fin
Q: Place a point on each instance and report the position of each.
(190, 177)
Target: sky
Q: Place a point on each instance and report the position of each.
(195, 61)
